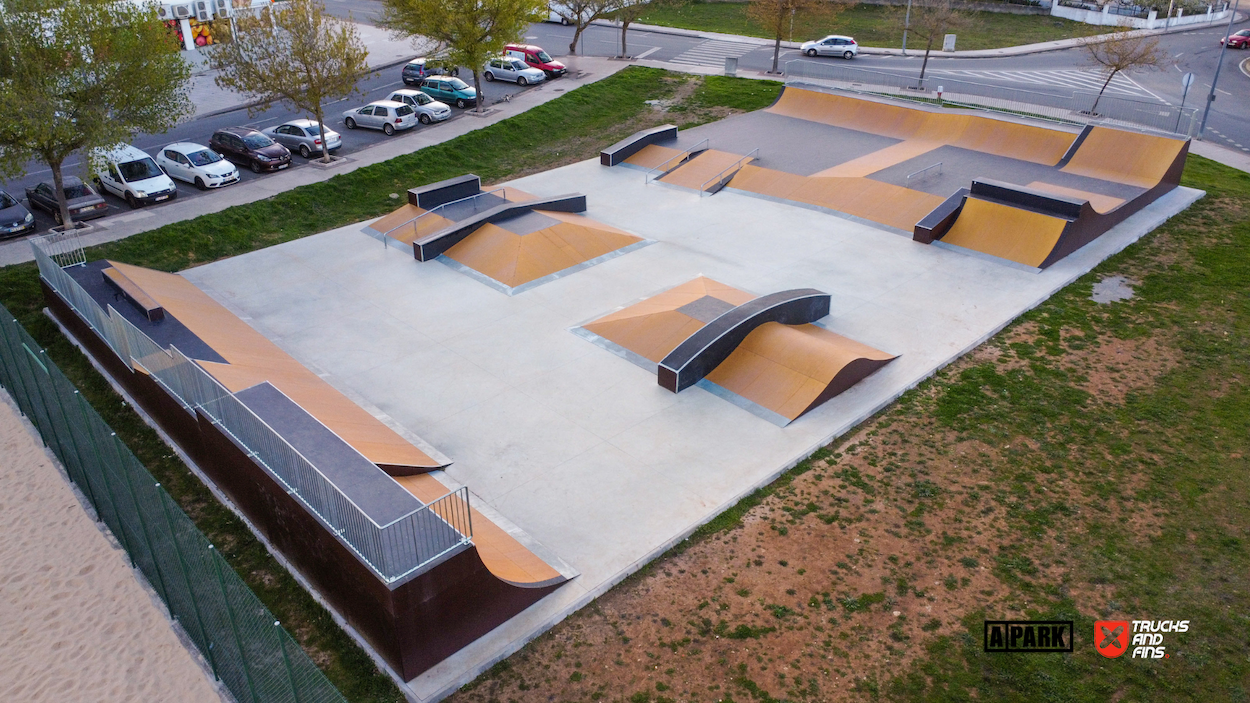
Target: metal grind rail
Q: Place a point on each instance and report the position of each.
(720, 177)
(413, 223)
(663, 168)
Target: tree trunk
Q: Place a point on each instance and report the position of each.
(578, 28)
(321, 128)
(477, 86)
(925, 64)
(624, 29)
(776, 52)
(1094, 110)
(58, 182)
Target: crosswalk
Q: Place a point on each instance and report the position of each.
(1073, 79)
(713, 53)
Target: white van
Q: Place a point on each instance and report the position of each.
(132, 175)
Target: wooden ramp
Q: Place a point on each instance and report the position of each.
(1120, 156)
(1007, 232)
(696, 172)
(1102, 204)
(653, 155)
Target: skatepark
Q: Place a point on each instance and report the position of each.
(608, 356)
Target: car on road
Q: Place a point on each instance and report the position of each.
(428, 109)
(535, 57)
(386, 115)
(508, 69)
(15, 219)
(417, 69)
(832, 45)
(452, 91)
(303, 136)
(248, 147)
(197, 164)
(83, 202)
(132, 175)
(1238, 40)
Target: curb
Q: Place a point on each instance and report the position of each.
(1245, 67)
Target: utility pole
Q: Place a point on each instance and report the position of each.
(1206, 112)
(907, 25)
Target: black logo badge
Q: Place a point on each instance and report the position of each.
(1028, 636)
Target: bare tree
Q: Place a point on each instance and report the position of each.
(776, 16)
(294, 54)
(932, 20)
(470, 31)
(580, 13)
(1120, 52)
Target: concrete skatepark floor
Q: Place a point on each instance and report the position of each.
(580, 448)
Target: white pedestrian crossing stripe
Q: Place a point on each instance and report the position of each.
(1088, 81)
(713, 53)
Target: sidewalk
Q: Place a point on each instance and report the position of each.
(143, 220)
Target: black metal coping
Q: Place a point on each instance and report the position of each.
(1076, 144)
(375, 493)
(704, 350)
(165, 332)
(434, 245)
(1028, 199)
(635, 143)
(431, 196)
(938, 222)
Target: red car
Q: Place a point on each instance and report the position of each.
(1238, 40)
(535, 57)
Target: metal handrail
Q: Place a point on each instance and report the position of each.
(937, 165)
(735, 165)
(434, 210)
(682, 156)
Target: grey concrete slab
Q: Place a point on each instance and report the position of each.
(581, 448)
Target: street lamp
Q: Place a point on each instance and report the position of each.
(1218, 65)
(907, 25)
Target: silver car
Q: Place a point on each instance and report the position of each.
(508, 69)
(428, 109)
(386, 115)
(303, 136)
(832, 45)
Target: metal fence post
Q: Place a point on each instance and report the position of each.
(108, 492)
(225, 597)
(182, 565)
(290, 675)
(143, 524)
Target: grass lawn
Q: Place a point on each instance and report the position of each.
(873, 25)
(571, 128)
(1089, 462)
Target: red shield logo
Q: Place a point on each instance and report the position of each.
(1111, 637)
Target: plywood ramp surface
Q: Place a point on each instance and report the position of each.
(1102, 204)
(396, 218)
(885, 203)
(790, 369)
(654, 327)
(653, 155)
(506, 558)
(696, 172)
(1125, 157)
(991, 136)
(869, 164)
(514, 259)
(254, 359)
(1007, 232)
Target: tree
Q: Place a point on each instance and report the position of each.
(629, 11)
(932, 20)
(469, 31)
(294, 54)
(580, 13)
(1122, 51)
(776, 16)
(82, 75)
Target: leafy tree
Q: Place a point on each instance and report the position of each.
(294, 54)
(81, 75)
(777, 16)
(1122, 51)
(470, 31)
(580, 13)
(629, 11)
(932, 20)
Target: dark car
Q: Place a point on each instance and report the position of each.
(84, 203)
(1238, 40)
(247, 147)
(417, 69)
(15, 219)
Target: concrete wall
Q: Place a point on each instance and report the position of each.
(1106, 18)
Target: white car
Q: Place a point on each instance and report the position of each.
(428, 109)
(197, 164)
(505, 68)
(832, 45)
(132, 175)
(386, 115)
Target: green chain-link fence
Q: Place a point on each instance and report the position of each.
(246, 647)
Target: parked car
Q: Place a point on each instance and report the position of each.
(303, 136)
(386, 115)
(535, 57)
(424, 67)
(1238, 40)
(515, 70)
(84, 203)
(132, 175)
(428, 109)
(564, 13)
(832, 45)
(197, 164)
(247, 147)
(452, 91)
(15, 219)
